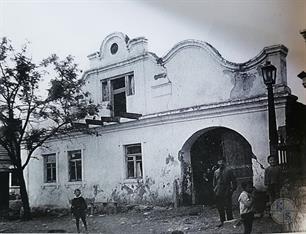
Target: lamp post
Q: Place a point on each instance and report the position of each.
(269, 75)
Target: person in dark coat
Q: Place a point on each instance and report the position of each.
(224, 184)
(208, 192)
(273, 179)
(78, 209)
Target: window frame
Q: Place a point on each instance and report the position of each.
(12, 174)
(134, 160)
(105, 90)
(45, 168)
(130, 84)
(76, 160)
(107, 87)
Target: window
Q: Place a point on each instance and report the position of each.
(50, 168)
(116, 89)
(75, 165)
(105, 91)
(130, 85)
(134, 161)
(114, 48)
(14, 179)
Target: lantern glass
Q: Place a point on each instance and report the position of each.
(268, 73)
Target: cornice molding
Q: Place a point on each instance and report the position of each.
(237, 107)
(214, 53)
(115, 65)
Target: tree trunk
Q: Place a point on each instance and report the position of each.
(24, 195)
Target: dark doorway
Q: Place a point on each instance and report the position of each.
(4, 191)
(205, 152)
(119, 103)
(119, 96)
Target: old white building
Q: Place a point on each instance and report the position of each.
(195, 107)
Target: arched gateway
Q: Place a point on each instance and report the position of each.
(199, 156)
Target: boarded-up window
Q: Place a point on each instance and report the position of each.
(75, 165)
(50, 168)
(134, 161)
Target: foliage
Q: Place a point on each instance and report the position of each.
(28, 118)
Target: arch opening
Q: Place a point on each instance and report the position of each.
(200, 154)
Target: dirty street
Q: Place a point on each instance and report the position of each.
(141, 219)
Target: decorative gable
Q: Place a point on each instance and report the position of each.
(117, 47)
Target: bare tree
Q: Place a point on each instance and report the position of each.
(27, 117)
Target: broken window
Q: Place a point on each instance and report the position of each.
(116, 89)
(134, 161)
(75, 165)
(118, 83)
(119, 96)
(50, 168)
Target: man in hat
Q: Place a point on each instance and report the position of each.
(224, 184)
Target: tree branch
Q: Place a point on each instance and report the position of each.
(48, 136)
(29, 112)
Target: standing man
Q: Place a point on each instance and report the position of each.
(224, 184)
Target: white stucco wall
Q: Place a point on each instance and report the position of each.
(104, 159)
(200, 90)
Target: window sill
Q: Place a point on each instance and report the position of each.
(133, 181)
(75, 183)
(46, 185)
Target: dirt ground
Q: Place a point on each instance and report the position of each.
(158, 220)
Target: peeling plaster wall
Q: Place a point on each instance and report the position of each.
(105, 171)
(104, 163)
(189, 90)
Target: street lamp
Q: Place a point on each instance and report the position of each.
(269, 75)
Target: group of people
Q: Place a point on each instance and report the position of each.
(224, 184)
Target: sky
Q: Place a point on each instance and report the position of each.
(238, 29)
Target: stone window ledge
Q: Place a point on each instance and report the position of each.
(50, 185)
(132, 181)
(75, 183)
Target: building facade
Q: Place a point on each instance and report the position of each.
(165, 121)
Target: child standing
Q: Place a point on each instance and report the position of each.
(78, 209)
(246, 205)
(273, 179)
